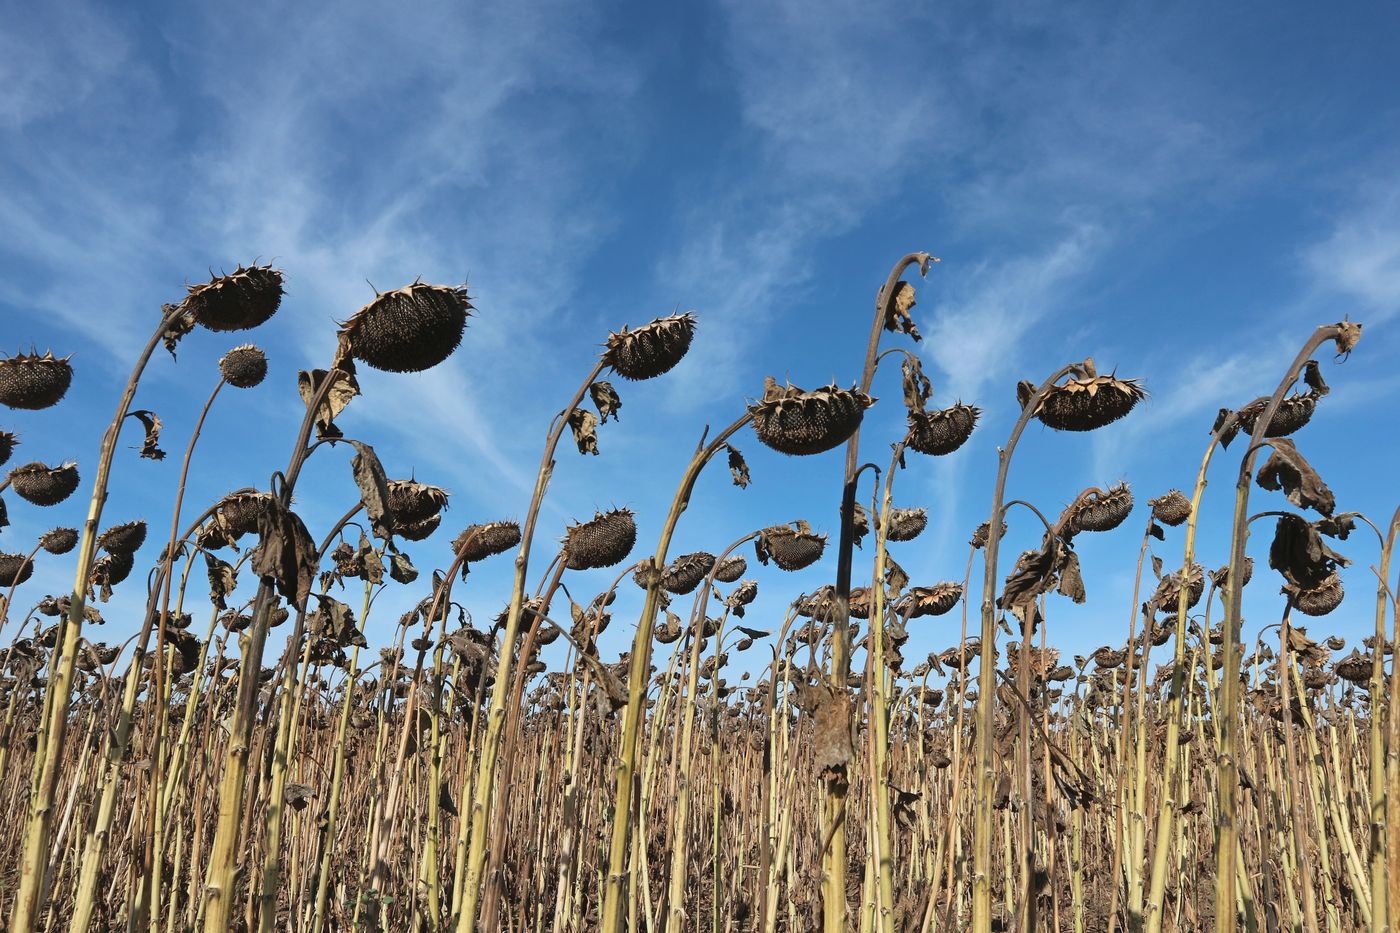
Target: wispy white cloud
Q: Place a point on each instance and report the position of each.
(1360, 257)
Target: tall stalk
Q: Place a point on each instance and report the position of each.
(836, 785)
(1227, 767)
(54, 725)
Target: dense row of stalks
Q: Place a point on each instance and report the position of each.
(196, 778)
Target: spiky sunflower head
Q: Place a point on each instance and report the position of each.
(39, 484)
(906, 524)
(940, 432)
(933, 600)
(651, 350)
(33, 382)
(1085, 401)
(1355, 668)
(409, 329)
(731, 568)
(412, 502)
(14, 569)
(419, 531)
(1317, 600)
(604, 541)
(1100, 510)
(8, 441)
(125, 538)
(244, 366)
(799, 423)
(792, 547)
(478, 542)
(246, 298)
(1172, 509)
(59, 540)
(684, 573)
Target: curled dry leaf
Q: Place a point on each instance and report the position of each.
(338, 396)
(737, 467)
(1288, 470)
(606, 400)
(285, 555)
(374, 489)
(897, 311)
(585, 427)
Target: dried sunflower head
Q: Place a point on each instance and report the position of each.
(59, 540)
(731, 569)
(33, 382)
(412, 502)
(906, 524)
(860, 602)
(604, 541)
(933, 600)
(1171, 509)
(941, 432)
(244, 367)
(685, 572)
(418, 531)
(795, 422)
(651, 350)
(478, 542)
(39, 484)
(111, 569)
(1101, 511)
(8, 442)
(1355, 668)
(792, 547)
(14, 570)
(980, 536)
(410, 329)
(1169, 588)
(239, 301)
(126, 538)
(1085, 401)
(1317, 600)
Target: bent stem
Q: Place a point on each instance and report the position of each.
(614, 911)
(1227, 839)
(54, 726)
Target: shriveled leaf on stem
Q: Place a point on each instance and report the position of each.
(737, 467)
(150, 444)
(374, 489)
(338, 396)
(585, 427)
(606, 399)
(223, 580)
(286, 555)
(1288, 470)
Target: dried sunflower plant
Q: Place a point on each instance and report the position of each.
(742, 764)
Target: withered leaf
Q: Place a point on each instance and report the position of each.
(1349, 334)
(175, 327)
(1157, 566)
(917, 387)
(1155, 530)
(1071, 581)
(1312, 376)
(585, 427)
(1338, 526)
(1299, 553)
(401, 569)
(374, 489)
(286, 555)
(897, 311)
(737, 467)
(606, 399)
(831, 730)
(150, 446)
(368, 557)
(223, 580)
(336, 621)
(1287, 469)
(860, 524)
(338, 396)
(4, 514)
(895, 577)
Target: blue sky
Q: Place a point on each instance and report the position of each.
(1181, 192)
